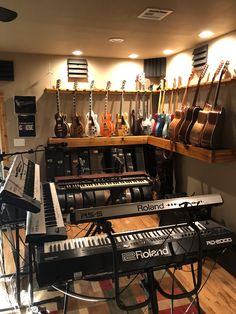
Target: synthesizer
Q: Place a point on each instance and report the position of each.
(162, 247)
(103, 181)
(142, 208)
(22, 185)
(48, 224)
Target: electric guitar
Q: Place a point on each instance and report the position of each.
(191, 113)
(161, 114)
(197, 130)
(106, 125)
(92, 127)
(61, 128)
(122, 125)
(137, 118)
(179, 113)
(77, 127)
(211, 136)
(168, 117)
(148, 121)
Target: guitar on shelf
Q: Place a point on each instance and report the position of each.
(61, 128)
(161, 113)
(106, 126)
(148, 121)
(179, 113)
(211, 136)
(77, 127)
(92, 127)
(197, 130)
(137, 116)
(168, 117)
(122, 125)
(191, 113)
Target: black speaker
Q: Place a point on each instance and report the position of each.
(6, 70)
(155, 67)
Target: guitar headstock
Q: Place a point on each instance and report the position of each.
(123, 85)
(225, 69)
(75, 85)
(151, 87)
(92, 84)
(58, 84)
(108, 85)
(219, 67)
(203, 71)
(191, 76)
(174, 83)
(179, 84)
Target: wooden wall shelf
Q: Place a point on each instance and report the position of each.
(206, 155)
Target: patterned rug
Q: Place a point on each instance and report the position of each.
(132, 293)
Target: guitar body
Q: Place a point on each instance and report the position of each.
(160, 124)
(106, 126)
(148, 125)
(198, 127)
(136, 128)
(122, 126)
(175, 125)
(211, 136)
(155, 123)
(61, 128)
(77, 127)
(92, 127)
(166, 125)
(189, 120)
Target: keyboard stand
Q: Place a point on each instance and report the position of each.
(97, 227)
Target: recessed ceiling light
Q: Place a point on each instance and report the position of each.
(133, 56)
(116, 40)
(77, 52)
(168, 51)
(205, 34)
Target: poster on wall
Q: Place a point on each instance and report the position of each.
(26, 125)
(25, 104)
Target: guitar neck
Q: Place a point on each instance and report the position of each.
(58, 100)
(74, 102)
(163, 101)
(106, 101)
(121, 102)
(90, 103)
(196, 93)
(171, 102)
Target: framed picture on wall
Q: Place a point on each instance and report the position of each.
(25, 104)
(26, 125)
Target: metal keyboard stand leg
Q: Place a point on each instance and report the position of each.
(149, 285)
(194, 282)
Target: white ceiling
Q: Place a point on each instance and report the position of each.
(60, 26)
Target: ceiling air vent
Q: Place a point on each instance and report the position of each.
(154, 14)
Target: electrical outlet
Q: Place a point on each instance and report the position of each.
(19, 142)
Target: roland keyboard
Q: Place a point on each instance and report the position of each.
(48, 224)
(162, 247)
(142, 208)
(103, 181)
(22, 185)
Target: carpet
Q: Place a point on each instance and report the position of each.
(133, 294)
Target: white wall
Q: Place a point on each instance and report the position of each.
(196, 176)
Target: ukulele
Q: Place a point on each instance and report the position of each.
(211, 136)
(148, 121)
(122, 125)
(197, 130)
(168, 117)
(92, 128)
(77, 127)
(191, 113)
(106, 125)
(161, 115)
(61, 128)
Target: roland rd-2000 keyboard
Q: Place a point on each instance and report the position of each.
(136, 251)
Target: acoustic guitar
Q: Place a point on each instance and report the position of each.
(196, 132)
(191, 113)
(122, 125)
(92, 128)
(211, 136)
(61, 128)
(106, 125)
(77, 127)
(177, 121)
